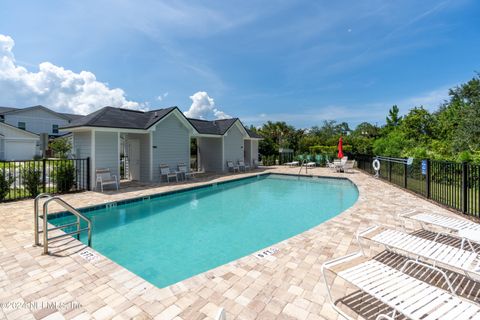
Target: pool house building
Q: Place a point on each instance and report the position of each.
(158, 137)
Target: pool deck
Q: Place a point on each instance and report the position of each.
(286, 285)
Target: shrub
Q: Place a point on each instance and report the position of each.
(64, 177)
(32, 180)
(5, 183)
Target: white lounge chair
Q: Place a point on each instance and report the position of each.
(348, 166)
(165, 171)
(105, 177)
(221, 315)
(426, 250)
(311, 164)
(231, 167)
(330, 165)
(182, 170)
(465, 229)
(292, 164)
(403, 293)
(241, 164)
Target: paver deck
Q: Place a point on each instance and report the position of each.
(286, 285)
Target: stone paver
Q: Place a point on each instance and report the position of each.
(287, 285)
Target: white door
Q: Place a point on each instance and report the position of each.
(134, 159)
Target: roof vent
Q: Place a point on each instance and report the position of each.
(156, 115)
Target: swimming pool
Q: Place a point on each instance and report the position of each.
(170, 238)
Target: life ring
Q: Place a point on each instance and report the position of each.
(376, 165)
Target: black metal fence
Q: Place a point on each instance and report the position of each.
(27, 178)
(455, 185)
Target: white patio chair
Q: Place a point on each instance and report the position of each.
(465, 229)
(182, 170)
(241, 164)
(105, 177)
(231, 167)
(403, 293)
(330, 165)
(292, 164)
(430, 251)
(165, 171)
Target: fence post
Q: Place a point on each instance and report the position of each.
(44, 175)
(428, 178)
(464, 187)
(389, 171)
(405, 175)
(88, 174)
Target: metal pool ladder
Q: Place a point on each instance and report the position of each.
(302, 165)
(45, 230)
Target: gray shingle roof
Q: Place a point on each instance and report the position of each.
(120, 118)
(218, 127)
(110, 117)
(253, 134)
(69, 116)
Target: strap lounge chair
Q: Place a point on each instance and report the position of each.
(465, 229)
(426, 250)
(231, 167)
(311, 164)
(242, 165)
(292, 164)
(182, 170)
(405, 294)
(165, 171)
(348, 166)
(105, 177)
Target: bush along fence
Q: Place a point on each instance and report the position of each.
(28, 178)
(455, 185)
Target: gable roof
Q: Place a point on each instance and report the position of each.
(110, 117)
(216, 127)
(25, 132)
(66, 116)
(219, 127)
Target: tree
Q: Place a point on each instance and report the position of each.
(60, 147)
(393, 119)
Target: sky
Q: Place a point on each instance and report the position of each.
(302, 62)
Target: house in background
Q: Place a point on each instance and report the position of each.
(36, 119)
(17, 144)
(39, 120)
(149, 139)
(224, 140)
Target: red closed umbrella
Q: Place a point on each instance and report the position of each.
(340, 148)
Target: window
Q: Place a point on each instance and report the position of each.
(55, 128)
(21, 125)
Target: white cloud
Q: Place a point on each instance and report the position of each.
(55, 87)
(162, 96)
(430, 100)
(203, 107)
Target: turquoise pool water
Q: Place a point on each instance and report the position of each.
(173, 237)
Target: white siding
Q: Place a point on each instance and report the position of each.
(17, 144)
(82, 144)
(233, 145)
(36, 120)
(171, 145)
(210, 150)
(106, 151)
